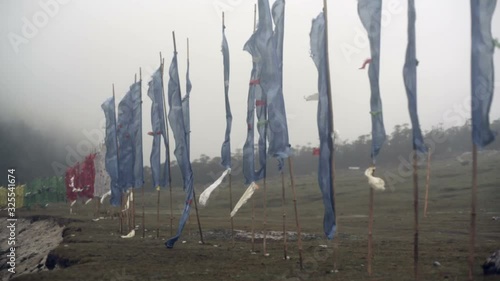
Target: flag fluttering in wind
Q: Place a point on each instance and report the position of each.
(206, 193)
(176, 119)
(244, 198)
(370, 13)
(160, 177)
(102, 179)
(87, 177)
(111, 161)
(226, 145)
(185, 110)
(483, 78)
(262, 47)
(248, 147)
(70, 176)
(313, 97)
(272, 85)
(257, 101)
(129, 132)
(410, 79)
(325, 179)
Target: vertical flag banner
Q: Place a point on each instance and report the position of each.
(130, 138)
(88, 177)
(370, 13)
(185, 110)
(226, 145)
(272, 85)
(483, 78)
(155, 93)
(248, 147)
(410, 79)
(176, 119)
(325, 180)
(111, 161)
(102, 180)
(71, 195)
(256, 102)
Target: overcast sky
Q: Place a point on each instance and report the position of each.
(58, 62)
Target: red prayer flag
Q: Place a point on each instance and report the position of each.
(367, 61)
(259, 103)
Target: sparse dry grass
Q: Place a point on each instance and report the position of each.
(99, 253)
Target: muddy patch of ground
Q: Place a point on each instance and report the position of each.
(35, 238)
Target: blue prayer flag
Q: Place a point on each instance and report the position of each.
(226, 145)
(370, 13)
(176, 119)
(111, 158)
(410, 79)
(155, 93)
(130, 138)
(325, 179)
(482, 72)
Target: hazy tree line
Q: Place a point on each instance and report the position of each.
(443, 143)
(32, 152)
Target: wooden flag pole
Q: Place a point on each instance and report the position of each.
(299, 232)
(284, 214)
(162, 61)
(331, 129)
(427, 181)
(473, 213)
(230, 177)
(415, 207)
(143, 223)
(231, 208)
(194, 192)
(253, 199)
(167, 161)
(370, 233)
(97, 200)
(118, 160)
(133, 191)
(168, 151)
(265, 216)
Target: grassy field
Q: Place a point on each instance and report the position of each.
(94, 250)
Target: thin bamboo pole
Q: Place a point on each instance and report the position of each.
(284, 214)
(415, 206)
(473, 213)
(370, 232)
(143, 220)
(133, 191)
(265, 217)
(118, 160)
(253, 200)
(253, 225)
(299, 232)
(231, 208)
(97, 200)
(167, 161)
(194, 192)
(427, 181)
(331, 129)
